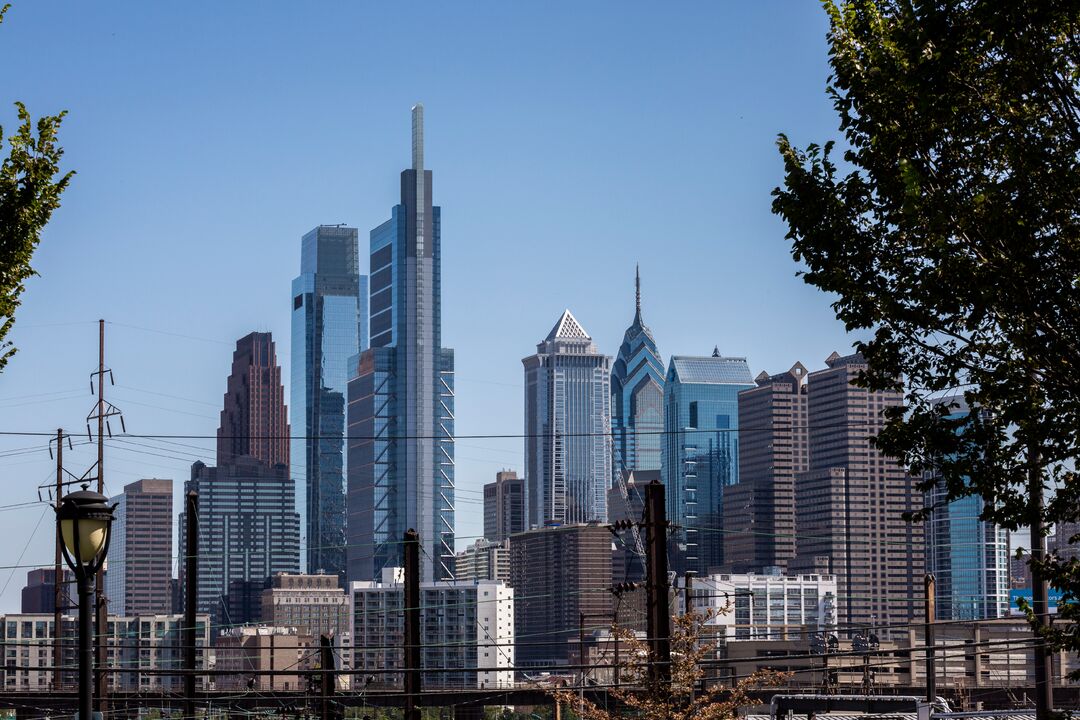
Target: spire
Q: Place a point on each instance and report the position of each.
(418, 136)
(568, 328)
(716, 351)
(637, 293)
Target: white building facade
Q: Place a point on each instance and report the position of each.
(466, 630)
(770, 606)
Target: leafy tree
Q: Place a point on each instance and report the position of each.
(646, 699)
(949, 233)
(29, 192)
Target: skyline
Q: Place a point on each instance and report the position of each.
(709, 278)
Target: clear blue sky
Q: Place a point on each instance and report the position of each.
(568, 141)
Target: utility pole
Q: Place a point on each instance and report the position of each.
(929, 637)
(191, 585)
(688, 602)
(329, 679)
(412, 625)
(656, 586)
(1044, 684)
(60, 589)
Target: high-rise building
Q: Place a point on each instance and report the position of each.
(701, 452)
(141, 549)
(248, 527)
(567, 427)
(484, 560)
(253, 420)
(464, 625)
(850, 502)
(767, 606)
(315, 604)
(329, 328)
(504, 506)
(558, 573)
(1061, 542)
(637, 396)
(968, 556)
(759, 510)
(39, 593)
(401, 400)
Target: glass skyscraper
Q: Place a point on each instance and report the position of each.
(329, 329)
(401, 398)
(567, 427)
(968, 556)
(637, 396)
(701, 452)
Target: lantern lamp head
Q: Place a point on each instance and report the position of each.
(84, 519)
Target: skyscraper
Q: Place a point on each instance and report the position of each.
(701, 452)
(401, 399)
(968, 556)
(253, 420)
(248, 526)
(567, 427)
(141, 549)
(759, 510)
(329, 328)
(849, 504)
(637, 396)
(504, 506)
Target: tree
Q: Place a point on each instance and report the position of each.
(29, 193)
(951, 238)
(649, 700)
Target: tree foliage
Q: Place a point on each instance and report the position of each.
(29, 193)
(646, 699)
(949, 233)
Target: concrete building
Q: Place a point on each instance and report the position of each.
(567, 427)
(245, 652)
(850, 502)
(135, 643)
(558, 573)
(254, 420)
(329, 328)
(637, 396)
(484, 560)
(759, 510)
(768, 606)
(39, 593)
(314, 604)
(464, 625)
(140, 560)
(1062, 543)
(401, 397)
(701, 453)
(504, 506)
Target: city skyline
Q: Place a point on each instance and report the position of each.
(238, 252)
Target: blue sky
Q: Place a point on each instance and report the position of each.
(568, 142)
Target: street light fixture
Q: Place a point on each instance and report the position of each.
(83, 524)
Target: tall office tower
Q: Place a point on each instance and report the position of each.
(759, 510)
(701, 452)
(504, 506)
(248, 526)
(39, 593)
(637, 396)
(329, 328)
(253, 421)
(558, 574)
(850, 501)
(401, 400)
(969, 557)
(1061, 541)
(567, 427)
(141, 549)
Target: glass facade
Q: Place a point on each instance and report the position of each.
(329, 329)
(701, 452)
(401, 395)
(637, 398)
(567, 427)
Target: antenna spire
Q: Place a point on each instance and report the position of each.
(418, 136)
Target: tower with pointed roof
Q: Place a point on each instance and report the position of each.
(401, 398)
(637, 396)
(567, 427)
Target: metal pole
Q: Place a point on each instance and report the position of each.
(99, 580)
(412, 625)
(191, 583)
(1044, 687)
(86, 650)
(326, 660)
(60, 590)
(688, 603)
(929, 637)
(658, 600)
(581, 661)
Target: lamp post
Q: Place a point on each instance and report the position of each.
(83, 522)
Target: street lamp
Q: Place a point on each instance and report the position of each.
(83, 522)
